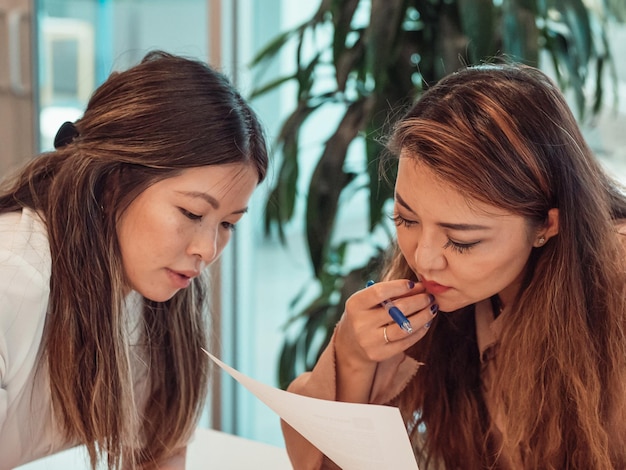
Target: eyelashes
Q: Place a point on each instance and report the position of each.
(195, 217)
(460, 247)
(190, 215)
(400, 221)
(457, 247)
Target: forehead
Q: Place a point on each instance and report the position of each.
(228, 184)
(215, 176)
(423, 191)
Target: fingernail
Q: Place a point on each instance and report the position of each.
(427, 325)
(411, 284)
(369, 283)
(431, 298)
(434, 308)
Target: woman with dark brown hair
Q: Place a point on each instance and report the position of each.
(103, 248)
(510, 267)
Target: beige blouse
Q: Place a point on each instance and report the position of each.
(392, 376)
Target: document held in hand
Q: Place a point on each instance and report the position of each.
(355, 436)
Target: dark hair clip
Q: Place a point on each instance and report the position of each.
(65, 135)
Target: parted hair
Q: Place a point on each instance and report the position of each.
(142, 125)
(503, 135)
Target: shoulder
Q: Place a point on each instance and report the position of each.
(25, 260)
(24, 292)
(25, 273)
(23, 235)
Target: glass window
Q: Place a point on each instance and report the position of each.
(81, 42)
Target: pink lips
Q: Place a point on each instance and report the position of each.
(434, 288)
(181, 279)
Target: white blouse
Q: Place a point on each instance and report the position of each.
(28, 430)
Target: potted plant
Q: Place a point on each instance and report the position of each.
(382, 55)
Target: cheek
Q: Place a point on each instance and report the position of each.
(146, 235)
(489, 275)
(407, 244)
(223, 238)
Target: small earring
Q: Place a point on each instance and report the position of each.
(541, 241)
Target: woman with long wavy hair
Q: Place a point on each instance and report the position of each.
(510, 268)
(103, 248)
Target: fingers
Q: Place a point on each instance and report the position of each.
(420, 320)
(370, 329)
(377, 293)
(400, 299)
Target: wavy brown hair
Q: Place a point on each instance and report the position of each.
(504, 135)
(143, 125)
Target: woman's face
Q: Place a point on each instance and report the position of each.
(178, 226)
(462, 250)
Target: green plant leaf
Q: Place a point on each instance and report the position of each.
(477, 18)
(520, 35)
(576, 17)
(267, 53)
(617, 9)
(329, 180)
(287, 364)
(568, 72)
(342, 15)
(380, 189)
(269, 86)
(323, 12)
(386, 17)
(305, 77)
(349, 62)
(315, 327)
(280, 205)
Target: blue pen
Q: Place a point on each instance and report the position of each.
(395, 313)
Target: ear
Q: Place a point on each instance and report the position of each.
(550, 229)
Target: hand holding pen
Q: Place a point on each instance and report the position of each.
(375, 327)
(395, 313)
(397, 316)
(391, 313)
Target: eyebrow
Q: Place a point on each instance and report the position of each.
(209, 200)
(447, 225)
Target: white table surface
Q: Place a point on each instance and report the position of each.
(209, 449)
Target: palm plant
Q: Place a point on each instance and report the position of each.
(382, 54)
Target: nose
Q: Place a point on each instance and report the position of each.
(205, 246)
(429, 255)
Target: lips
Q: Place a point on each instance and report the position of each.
(181, 279)
(434, 287)
(189, 274)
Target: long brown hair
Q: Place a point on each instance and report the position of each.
(504, 135)
(141, 126)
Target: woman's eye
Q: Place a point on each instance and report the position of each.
(229, 226)
(190, 215)
(401, 221)
(460, 247)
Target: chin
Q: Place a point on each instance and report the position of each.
(445, 307)
(159, 296)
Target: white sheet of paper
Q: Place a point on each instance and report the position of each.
(354, 436)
